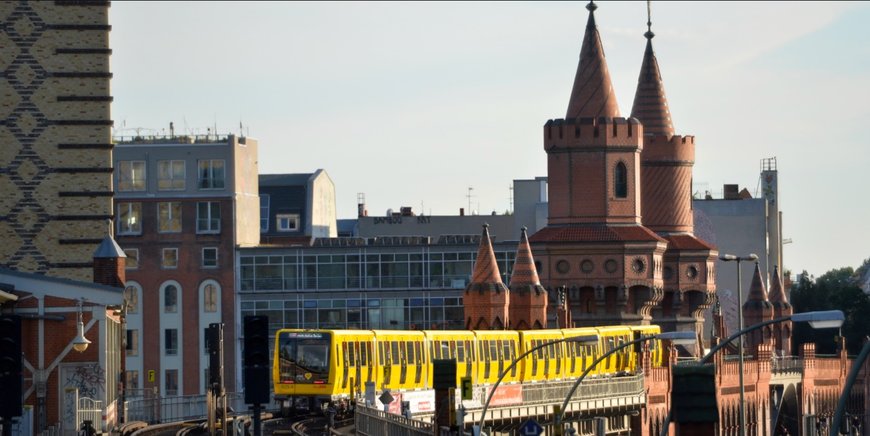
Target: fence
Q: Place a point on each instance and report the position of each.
(373, 422)
(593, 388)
(172, 409)
(90, 410)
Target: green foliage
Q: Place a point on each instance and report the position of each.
(836, 289)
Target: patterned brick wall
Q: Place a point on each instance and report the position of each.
(55, 135)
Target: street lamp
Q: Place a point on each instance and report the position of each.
(80, 343)
(850, 380)
(679, 338)
(586, 340)
(738, 259)
(818, 320)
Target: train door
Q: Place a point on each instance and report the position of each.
(484, 352)
(398, 349)
(495, 354)
(535, 354)
(573, 355)
(345, 361)
(558, 349)
(365, 350)
(418, 355)
(511, 350)
(357, 366)
(386, 362)
(547, 358)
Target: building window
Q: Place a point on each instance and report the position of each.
(169, 217)
(131, 175)
(620, 181)
(171, 382)
(132, 261)
(170, 341)
(264, 213)
(287, 222)
(131, 296)
(210, 297)
(208, 217)
(170, 175)
(211, 174)
(170, 258)
(170, 299)
(129, 218)
(210, 257)
(132, 342)
(132, 380)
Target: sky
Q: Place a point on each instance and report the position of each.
(422, 103)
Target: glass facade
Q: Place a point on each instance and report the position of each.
(389, 287)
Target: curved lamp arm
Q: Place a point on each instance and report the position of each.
(728, 340)
(850, 381)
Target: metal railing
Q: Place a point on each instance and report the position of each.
(172, 409)
(369, 421)
(786, 364)
(90, 410)
(589, 389)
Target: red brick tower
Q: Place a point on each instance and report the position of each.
(666, 195)
(594, 243)
(486, 298)
(528, 305)
(110, 264)
(756, 309)
(781, 308)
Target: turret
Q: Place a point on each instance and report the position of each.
(486, 298)
(528, 305)
(592, 94)
(756, 309)
(781, 308)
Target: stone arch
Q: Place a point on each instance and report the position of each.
(694, 303)
(789, 411)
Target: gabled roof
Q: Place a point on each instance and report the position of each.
(592, 95)
(41, 285)
(687, 242)
(595, 233)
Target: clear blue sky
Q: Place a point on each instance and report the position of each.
(412, 103)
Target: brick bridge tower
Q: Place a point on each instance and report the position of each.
(486, 298)
(666, 194)
(781, 308)
(594, 244)
(528, 308)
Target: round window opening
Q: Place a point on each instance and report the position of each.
(610, 266)
(586, 266)
(692, 272)
(638, 265)
(562, 266)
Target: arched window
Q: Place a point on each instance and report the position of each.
(210, 292)
(620, 181)
(131, 296)
(170, 299)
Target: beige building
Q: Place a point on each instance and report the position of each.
(55, 136)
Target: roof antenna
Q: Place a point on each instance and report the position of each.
(649, 33)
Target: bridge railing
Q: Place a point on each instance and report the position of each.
(787, 364)
(179, 408)
(589, 389)
(369, 421)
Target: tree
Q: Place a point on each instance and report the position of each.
(836, 289)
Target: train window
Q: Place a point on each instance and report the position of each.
(345, 354)
(381, 352)
(558, 350)
(394, 350)
(418, 348)
(470, 350)
(367, 354)
(460, 351)
(452, 349)
(506, 350)
(433, 347)
(353, 354)
(410, 352)
(445, 349)
(493, 350)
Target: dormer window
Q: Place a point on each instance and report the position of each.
(620, 181)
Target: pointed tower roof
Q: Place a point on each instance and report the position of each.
(109, 249)
(777, 291)
(650, 104)
(757, 292)
(486, 275)
(592, 95)
(524, 272)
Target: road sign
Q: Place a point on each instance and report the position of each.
(531, 428)
(386, 398)
(467, 392)
(151, 374)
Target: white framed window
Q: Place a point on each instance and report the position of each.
(169, 259)
(287, 222)
(131, 296)
(210, 294)
(170, 298)
(170, 175)
(169, 217)
(132, 342)
(132, 261)
(210, 257)
(132, 381)
(208, 217)
(129, 218)
(131, 175)
(171, 382)
(264, 212)
(170, 342)
(211, 174)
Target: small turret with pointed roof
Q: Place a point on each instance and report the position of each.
(756, 309)
(486, 298)
(592, 95)
(110, 264)
(650, 103)
(781, 308)
(528, 304)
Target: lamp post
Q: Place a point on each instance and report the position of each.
(742, 406)
(593, 339)
(818, 320)
(850, 381)
(80, 342)
(680, 338)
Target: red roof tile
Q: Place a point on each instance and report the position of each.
(595, 233)
(687, 242)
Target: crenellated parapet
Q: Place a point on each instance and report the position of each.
(592, 133)
(668, 150)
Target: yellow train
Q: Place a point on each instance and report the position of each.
(315, 366)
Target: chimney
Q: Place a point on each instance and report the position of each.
(731, 192)
(461, 211)
(110, 264)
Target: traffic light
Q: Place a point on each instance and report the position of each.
(256, 359)
(214, 344)
(10, 366)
